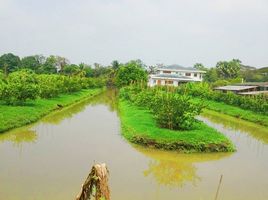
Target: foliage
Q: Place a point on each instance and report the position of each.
(50, 66)
(211, 75)
(19, 87)
(9, 63)
(32, 62)
(176, 111)
(130, 72)
(229, 69)
(16, 116)
(258, 103)
(71, 69)
(200, 66)
(170, 110)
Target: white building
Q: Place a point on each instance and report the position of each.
(174, 75)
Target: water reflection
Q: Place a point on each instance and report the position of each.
(175, 169)
(257, 131)
(107, 98)
(27, 134)
(21, 135)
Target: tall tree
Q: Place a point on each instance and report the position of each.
(9, 63)
(130, 72)
(115, 65)
(229, 69)
(61, 62)
(200, 66)
(50, 66)
(31, 62)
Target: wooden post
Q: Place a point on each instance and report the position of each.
(218, 189)
(96, 185)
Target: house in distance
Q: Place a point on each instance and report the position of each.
(174, 75)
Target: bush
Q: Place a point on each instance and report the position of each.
(20, 87)
(258, 103)
(2, 85)
(170, 110)
(176, 112)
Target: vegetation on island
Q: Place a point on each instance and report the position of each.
(160, 118)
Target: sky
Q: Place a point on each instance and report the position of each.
(181, 32)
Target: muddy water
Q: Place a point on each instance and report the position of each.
(50, 159)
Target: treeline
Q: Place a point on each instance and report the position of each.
(36, 76)
(257, 103)
(50, 65)
(116, 73)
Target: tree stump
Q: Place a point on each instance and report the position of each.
(96, 185)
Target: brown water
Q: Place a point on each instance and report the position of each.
(50, 159)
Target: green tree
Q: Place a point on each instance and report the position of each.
(61, 63)
(71, 69)
(31, 62)
(130, 72)
(50, 66)
(200, 66)
(115, 65)
(229, 69)
(211, 75)
(9, 63)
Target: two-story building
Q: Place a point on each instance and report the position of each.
(174, 75)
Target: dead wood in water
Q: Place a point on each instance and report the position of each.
(96, 185)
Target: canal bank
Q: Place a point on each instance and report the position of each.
(17, 116)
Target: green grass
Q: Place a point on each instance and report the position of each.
(235, 112)
(16, 116)
(139, 126)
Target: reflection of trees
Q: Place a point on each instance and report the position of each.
(20, 135)
(170, 173)
(107, 98)
(175, 169)
(26, 134)
(256, 131)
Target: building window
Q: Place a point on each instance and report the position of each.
(168, 82)
(195, 74)
(187, 74)
(167, 72)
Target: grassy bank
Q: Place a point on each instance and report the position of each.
(16, 116)
(139, 126)
(236, 112)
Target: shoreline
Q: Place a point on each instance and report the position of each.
(234, 111)
(139, 127)
(12, 117)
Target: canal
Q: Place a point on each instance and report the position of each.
(51, 158)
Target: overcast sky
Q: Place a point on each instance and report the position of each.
(156, 31)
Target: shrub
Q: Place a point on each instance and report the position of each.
(20, 86)
(176, 112)
(170, 110)
(258, 103)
